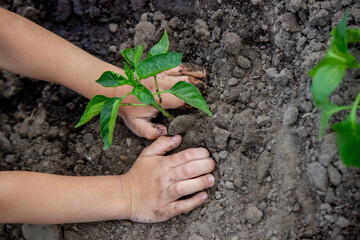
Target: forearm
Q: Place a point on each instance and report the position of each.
(28, 197)
(30, 50)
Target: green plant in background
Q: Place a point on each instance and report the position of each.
(327, 75)
(157, 61)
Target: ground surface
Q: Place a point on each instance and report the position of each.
(275, 179)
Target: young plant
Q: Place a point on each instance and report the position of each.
(327, 75)
(158, 60)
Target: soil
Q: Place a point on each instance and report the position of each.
(275, 178)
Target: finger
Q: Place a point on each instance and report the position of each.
(182, 206)
(189, 70)
(191, 186)
(188, 155)
(162, 145)
(169, 101)
(193, 169)
(144, 128)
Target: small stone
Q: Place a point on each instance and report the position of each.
(174, 22)
(223, 154)
(355, 12)
(238, 72)
(229, 185)
(128, 142)
(318, 176)
(253, 215)
(238, 181)
(284, 77)
(328, 149)
(334, 175)
(11, 158)
(201, 29)
(271, 72)
(5, 144)
(113, 49)
(263, 120)
(301, 132)
(243, 62)
(233, 82)
(217, 195)
(158, 16)
(231, 42)
(295, 5)
(291, 115)
(113, 27)
(265, 161)
(217, 15)
(296, 207)
(330, 196)
(289, 22)
(342, 222)
(329, 218)
(94, 153)
(221, 137)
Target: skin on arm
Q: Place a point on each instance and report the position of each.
(149, 192)
(32, 51)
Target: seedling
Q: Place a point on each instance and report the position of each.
(158, 60)
(327, 75)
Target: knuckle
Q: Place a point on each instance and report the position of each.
(188, 155)
(179, 190)
(188, 170)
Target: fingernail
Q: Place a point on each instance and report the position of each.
(161, 129)
(204, 196)
(211, 179)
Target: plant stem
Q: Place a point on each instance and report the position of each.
(156, 93)
(163, 111)
(157, 89)
(354, 108)
(126, 95)
(134, 104)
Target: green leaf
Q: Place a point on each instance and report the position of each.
(133, 55)
(143, 94)
(353, 35)
(154, 65)
(129, 73)
(328, 109)
(348, 140)
(108, 116)
(161, 47)
(325, 80)
(92, 109)
(339, 33)
(189, 94)
(113, 79)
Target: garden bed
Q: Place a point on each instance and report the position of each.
(275, 178)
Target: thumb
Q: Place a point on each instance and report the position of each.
(144, 128)
(162, 145)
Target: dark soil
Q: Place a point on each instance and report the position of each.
(275, 178)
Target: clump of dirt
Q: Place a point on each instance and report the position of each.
(275, 178)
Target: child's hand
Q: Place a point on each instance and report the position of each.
(156, 182)
(138, 119)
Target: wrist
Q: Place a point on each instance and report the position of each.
(120, 199)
